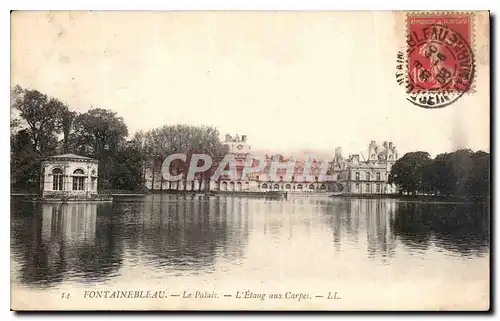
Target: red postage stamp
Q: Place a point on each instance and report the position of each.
(439, 57)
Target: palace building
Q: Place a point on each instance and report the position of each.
(367, 176)
(344, 176)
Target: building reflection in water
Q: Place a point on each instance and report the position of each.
(54, 242)
(459, 228)
(72, 223)
(171, 234)
(355, 221)
(186, 234)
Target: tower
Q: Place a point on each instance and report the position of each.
(237, 145)
(372, 151)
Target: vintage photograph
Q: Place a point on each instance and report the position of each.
(250, 160)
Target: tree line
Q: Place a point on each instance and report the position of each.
(43, 126)
(462, 174)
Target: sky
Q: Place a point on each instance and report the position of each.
(290, 81)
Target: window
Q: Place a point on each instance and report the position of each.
(78, 183)
(357, 186)
(316, 178)
(299, 186)
(293, 178)
(368, 190)
(57, 180)
(378, 187)
(78, 180)
(257, 177)
(323, 186)
(311, 186)
(276, 186)
(357, 176)
(281, 178)
(368, 176)
(288, 186)
(378, 176)
(338, 177)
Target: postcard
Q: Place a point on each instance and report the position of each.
(250, 160)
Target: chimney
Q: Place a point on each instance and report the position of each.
(228, 137)
(338, 152)
(390, 145)
(244, 138)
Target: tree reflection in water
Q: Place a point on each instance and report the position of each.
(88, 242)
(187, 234)
(461, 228)
(52, 241)
(171, 235)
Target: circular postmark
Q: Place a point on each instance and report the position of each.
(438, 67)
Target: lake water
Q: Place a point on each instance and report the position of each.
(337, 253)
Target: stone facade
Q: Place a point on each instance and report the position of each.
(69, 177)
(346, 176)
(368, 176)
(237, 144)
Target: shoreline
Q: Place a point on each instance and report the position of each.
(285, 195)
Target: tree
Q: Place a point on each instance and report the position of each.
(409, 171)
(126, 167)
(479, 180)
(190, 140)
(67, 119)
(42, 116)
(100, 133)
(97, 132)
(25, 167)
(33, 134)
(462, 174)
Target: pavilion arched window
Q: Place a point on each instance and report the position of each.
(78, 180)
(57, 179)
